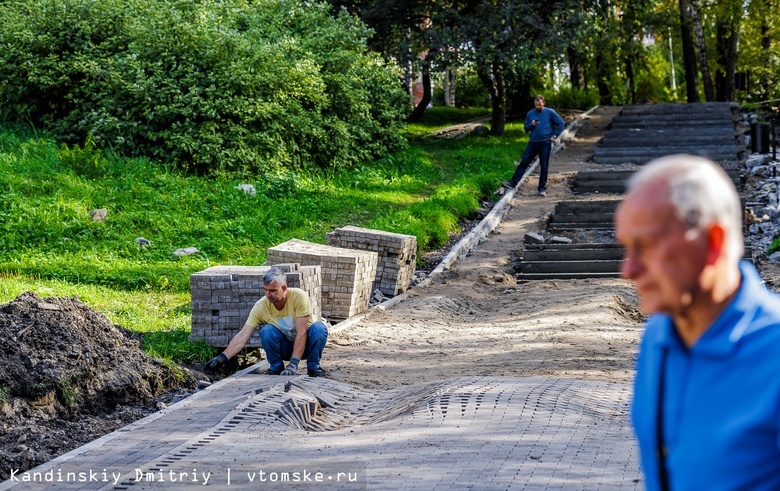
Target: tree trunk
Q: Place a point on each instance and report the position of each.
(450, 83)
(576, 69)
(766, 44)
(689, 53)
(630, 85)
(602, 76)
(496, 86)
(728, 40)
(419, 110)
(706, 76)
(519, 100)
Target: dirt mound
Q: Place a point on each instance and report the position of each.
(67, 375)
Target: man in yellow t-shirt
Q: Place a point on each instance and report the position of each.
(287, 329)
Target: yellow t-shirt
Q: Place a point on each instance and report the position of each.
(297, 305)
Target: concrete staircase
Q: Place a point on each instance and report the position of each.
(570, 261)
(614, 181)
(647, 131)
(641, 133)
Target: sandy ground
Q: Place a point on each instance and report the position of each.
(477, 320)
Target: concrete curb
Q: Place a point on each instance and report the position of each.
(477, 234)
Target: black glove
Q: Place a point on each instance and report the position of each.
(292, 367)
(215, 362)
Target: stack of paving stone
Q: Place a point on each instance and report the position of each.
(347, 274)
(397, 255)
(222, 297)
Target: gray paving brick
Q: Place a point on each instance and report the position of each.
(465, 433)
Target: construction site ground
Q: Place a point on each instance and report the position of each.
(471, 382)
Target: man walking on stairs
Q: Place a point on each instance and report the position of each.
(544, 126)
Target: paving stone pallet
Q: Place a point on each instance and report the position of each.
(223, 296)
(347, 274)
(397, 255)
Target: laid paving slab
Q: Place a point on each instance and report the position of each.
(253, 431)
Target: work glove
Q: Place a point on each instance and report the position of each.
(292, 367)
(215, 362)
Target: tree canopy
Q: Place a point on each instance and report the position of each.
(625, 50)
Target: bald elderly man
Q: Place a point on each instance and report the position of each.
(706, 405)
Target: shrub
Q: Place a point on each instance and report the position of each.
(233, 84)
(774, 246)
(569, 98)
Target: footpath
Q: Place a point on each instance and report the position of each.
(475, 381)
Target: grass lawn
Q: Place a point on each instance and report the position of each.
(50, 245)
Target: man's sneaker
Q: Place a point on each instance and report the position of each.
(318, 372)
(507, 185)
(542, 192)
(271, 371)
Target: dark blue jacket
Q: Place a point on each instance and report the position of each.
(549, 124)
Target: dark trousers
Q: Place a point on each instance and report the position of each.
(542, 149)
(278, 348)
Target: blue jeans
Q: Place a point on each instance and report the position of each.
(278, 348)
(542, 149)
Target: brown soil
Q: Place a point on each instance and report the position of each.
(69, 376)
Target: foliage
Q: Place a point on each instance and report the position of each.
(759, 49)
(568, 98)
(470, 90)
(232, 84)
(773, 247)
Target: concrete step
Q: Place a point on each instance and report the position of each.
(569, 226)
(581, 245)
(574, 207)
(679, 119)
(582, 218)
(660, 150)
(726, 132)
(565, 276)
(614, 182)
(586, 266)
(641, 160)
(639, 140)
(677, 108)
(559, 255)
(660, 124)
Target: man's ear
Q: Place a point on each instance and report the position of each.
(716, 244)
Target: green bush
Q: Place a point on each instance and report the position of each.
(569, 98)
(208, 84)
(774, 246)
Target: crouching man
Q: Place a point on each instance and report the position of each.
(286, 330)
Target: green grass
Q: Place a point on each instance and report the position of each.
(436, 118)
(773, 247)
(50, 245)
